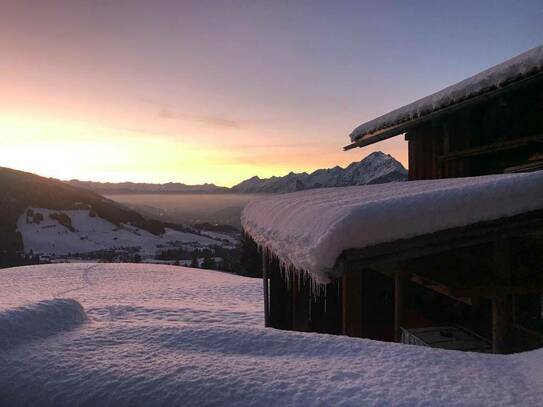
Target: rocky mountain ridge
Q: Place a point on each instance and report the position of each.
(376, 168)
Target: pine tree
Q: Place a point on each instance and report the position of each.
(194, 261)
(208, 263)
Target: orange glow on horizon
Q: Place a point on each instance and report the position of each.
(63, 149)
(198, 92)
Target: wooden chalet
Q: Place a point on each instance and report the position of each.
(474, 287)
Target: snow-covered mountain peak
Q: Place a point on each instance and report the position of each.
(376, 168)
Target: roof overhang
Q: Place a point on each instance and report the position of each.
(400, 128)
(518, 226)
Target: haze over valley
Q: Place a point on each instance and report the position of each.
(193, 204)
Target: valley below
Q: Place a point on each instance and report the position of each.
(188, 208)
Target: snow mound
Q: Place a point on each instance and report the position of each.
(38, 320)
(524, 65)
(310, 229)
(175, 336)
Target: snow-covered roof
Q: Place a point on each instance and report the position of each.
(511, 71)
(310, 229)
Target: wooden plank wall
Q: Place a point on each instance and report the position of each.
(508, 117)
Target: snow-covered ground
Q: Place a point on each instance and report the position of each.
(92, 234)
(152, 335)
(310, 229)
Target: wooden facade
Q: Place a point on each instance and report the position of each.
(487, 277)
(499, 134)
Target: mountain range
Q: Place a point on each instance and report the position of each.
(145, 188)
(376, 168)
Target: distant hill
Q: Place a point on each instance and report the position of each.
(376, 168)
(21, 190)
(45, 218)
(137, 187)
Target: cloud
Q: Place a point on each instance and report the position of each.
(210, 121)
(219, 122)
(166, 113)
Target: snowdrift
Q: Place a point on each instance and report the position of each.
(22, 324)
(174, 336)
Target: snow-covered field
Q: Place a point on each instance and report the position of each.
(92, 234)
(151, 335)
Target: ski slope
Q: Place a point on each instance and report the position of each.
(152, 335)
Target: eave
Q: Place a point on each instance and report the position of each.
(403, 127)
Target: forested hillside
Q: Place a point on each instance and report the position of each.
(20, 190)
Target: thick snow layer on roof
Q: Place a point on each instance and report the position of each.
(310, 229)
(173, 336)
(528, 63)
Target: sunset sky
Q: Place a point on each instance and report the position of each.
(158, 91)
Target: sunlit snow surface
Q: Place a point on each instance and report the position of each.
(154, 335)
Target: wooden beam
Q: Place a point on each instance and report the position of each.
(439, 242)
(493, 148)
(533, 166)
(440, 288)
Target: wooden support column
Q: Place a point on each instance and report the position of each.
(333, 307)
(352, 302)
(502, 305)
(400, 293)
(266, 289)
(501, 320)
(301, 297)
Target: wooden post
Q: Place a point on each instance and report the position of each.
(501, 319)
(502, 303)
(400, 285)
(266, 289)
(352, 302)
(301, 297)
(333, 308)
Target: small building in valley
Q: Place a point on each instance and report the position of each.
(452, 258)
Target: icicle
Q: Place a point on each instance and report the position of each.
(287, 270)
